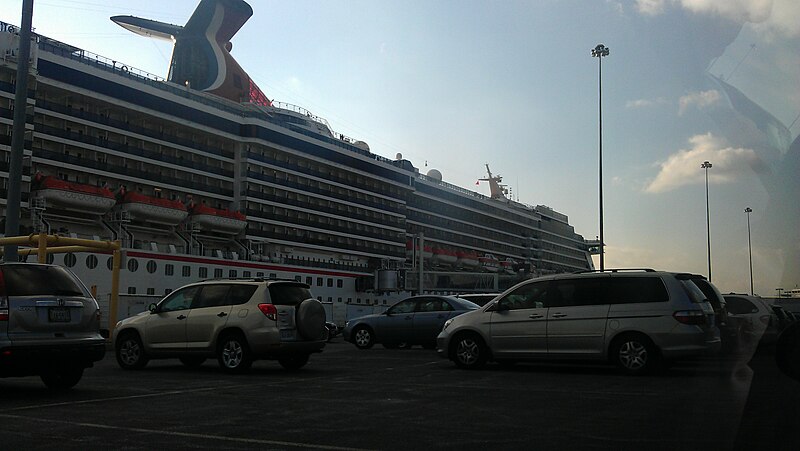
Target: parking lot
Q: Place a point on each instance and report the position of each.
(406, 399)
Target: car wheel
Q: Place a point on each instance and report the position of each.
(130, 352)
(233, 354)
(192, 361)
(635, 354)
(62, 377)
(294, 362)
(363, 338)
(310, 320)
(469, 351)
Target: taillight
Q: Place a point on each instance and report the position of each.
(269, 311)
(3, 314)
(691, 317)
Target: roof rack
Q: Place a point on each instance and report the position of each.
(615, 270)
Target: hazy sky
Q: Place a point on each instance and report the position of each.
(454, 85)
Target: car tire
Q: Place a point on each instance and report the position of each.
(192, 361)
(310, 320)
(294, 362)
(363, 337)
(62, 377)
(635, 354)
(233, 354)
(469, 351)
(130, 351)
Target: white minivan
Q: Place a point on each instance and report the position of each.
(635, 318)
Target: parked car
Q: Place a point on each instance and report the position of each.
(413, 321)
(480, 299)
(756, 320)
(729, 329)
(635, 319)
(49, 324)
(236, 321)
(332, 330)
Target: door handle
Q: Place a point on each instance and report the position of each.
(559, 315)
(535, 316)
(222, 314)
(180, 317)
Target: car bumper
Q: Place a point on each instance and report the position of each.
(30, 360)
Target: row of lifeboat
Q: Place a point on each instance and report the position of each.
(469, 260)
(138, 207)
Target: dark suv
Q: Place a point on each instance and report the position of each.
(49, 324)
(234, 320)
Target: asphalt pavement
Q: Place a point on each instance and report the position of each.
(407, 399)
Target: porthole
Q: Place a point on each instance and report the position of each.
(133, 265)
(50, 259)
(110, 263)
(151, 266)
(70, 259)
(91, 261)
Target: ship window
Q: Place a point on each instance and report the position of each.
(309, 280)
(330, 282)
(217, 273)
(297, 278)
(50, 259)
(169, 270)
(70, 260)
(339, 300)
(339, 283)
(246, 274)
(319, 298)
(167, 291)
(151, 266)
(187, 271)
(259, 274)
(133, 265)
(319, 281)
(110, 263)
(203, 272)
(91, 261)
(272, 275)
(330, 299)
(151, 291)
(131, 290)
(232, 273)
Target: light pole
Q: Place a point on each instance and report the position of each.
(749, 210)
(706, 165)
(600, 51)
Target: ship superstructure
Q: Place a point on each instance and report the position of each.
(197, 185)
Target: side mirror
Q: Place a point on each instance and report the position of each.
(501, 306)
(152, 307)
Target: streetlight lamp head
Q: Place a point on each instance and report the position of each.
(748, 210)
(600, 51)
(706, 165)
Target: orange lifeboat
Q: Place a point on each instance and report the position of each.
(467, 259)
(443, 256)
(152, 209)
(217, 219)
(73, 196)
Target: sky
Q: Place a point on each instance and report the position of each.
(456, 85)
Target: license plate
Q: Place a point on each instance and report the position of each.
(287, 334)
(58, 315)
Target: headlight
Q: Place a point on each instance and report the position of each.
(347, 323)
(447, 324)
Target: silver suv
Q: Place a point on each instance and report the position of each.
(635, 318)
(234, 320)
(49, 324)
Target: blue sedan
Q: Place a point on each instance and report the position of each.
(413, 321)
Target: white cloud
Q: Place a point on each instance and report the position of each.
(770, 16)
(683, 167)
(644, 103)
(701, 100)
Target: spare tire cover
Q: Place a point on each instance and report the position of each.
(310, 319)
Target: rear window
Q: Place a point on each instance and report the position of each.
(632, 290)
(289, 293)
(739, 306)
(36, 280)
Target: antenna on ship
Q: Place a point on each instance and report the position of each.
(497, 189)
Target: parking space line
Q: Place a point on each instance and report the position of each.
(183, 434)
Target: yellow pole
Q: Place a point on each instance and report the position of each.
(42, 247)
(113, 302)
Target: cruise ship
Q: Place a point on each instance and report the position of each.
(201, 175)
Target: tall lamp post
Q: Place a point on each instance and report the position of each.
(749, 210)
(600, 51)
(706, 165)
